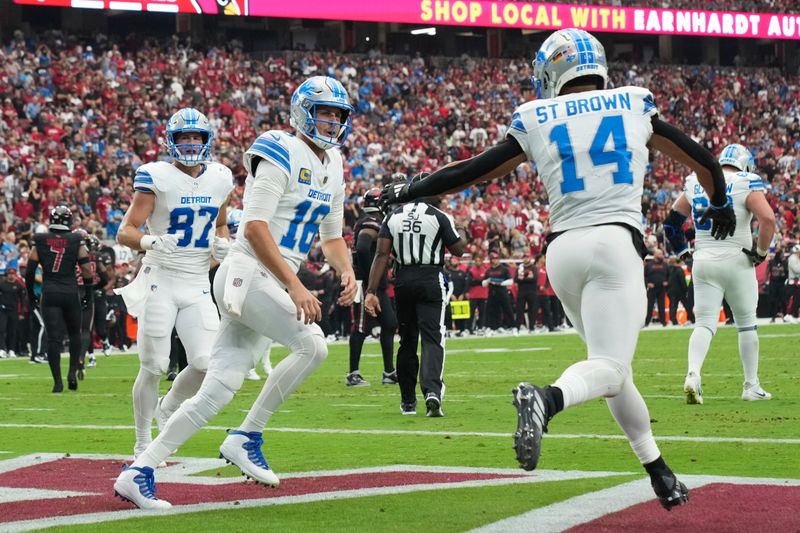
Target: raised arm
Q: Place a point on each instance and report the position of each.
(494, 163)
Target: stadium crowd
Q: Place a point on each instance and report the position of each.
(80, 115)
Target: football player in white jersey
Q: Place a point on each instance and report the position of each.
(234, 219)
(590, 146)
(184, 205)
(725, 269)
(294, 190)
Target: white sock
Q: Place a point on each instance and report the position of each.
(632, 416)
(281, 382)
(184, 387)
(748, 352)
(590, 379)
(145, 398)
(699, 343)
(191, 416)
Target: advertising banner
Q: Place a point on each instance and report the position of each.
(490, 14)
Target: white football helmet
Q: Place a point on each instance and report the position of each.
(189, 120)
(737, 156)
(234, 219)
(320, 91)
(566, 55)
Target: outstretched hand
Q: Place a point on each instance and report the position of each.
(723, 220)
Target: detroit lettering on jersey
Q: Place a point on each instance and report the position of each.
(590, 149)
(313, 192)
(319, 195)
(188, 200)
(738, 186)
(186, 207)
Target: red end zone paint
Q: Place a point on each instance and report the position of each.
(97, 476)
(718, 508)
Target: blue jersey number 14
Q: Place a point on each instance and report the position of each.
(619, 155)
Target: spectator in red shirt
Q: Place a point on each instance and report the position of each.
(104, 204)
(546, 298)
(23, 208)
(477, 292)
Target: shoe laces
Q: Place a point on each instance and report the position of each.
(146, 481)
(253, 447)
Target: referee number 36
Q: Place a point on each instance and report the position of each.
(414, 226)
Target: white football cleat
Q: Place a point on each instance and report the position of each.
(754, 393)
(692, 389)
(138, 486)
(244, 450)
(253, 375)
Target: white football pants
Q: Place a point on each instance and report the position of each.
(599, 278)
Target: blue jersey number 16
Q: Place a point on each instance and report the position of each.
(309, 226)
(611, 126)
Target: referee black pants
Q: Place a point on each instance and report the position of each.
(421, 296)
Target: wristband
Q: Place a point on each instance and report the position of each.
(719, 206)
(146, 242)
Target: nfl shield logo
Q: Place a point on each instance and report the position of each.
(325, 180)
(237, 282)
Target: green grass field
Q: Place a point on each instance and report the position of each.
(335, 427)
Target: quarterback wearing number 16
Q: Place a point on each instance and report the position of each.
(294, 192)
(590, 146)
(184, 205)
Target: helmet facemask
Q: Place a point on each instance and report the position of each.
(189, 120)
(312, 95)
(189, 154)
(311, 128)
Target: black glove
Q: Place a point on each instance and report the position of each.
(755, 257)
(394, 193)
(724, 220)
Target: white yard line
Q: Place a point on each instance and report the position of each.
(180, 471)
(676, 438)
(587, 507)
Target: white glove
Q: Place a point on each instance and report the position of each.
(220, 248)
(160, 243)
(485, 283)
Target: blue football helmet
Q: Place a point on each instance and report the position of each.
(566, 55)
(737, 156)
(189, 120)
(320, 91)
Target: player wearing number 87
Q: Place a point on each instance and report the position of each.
(590, 146)
(725, 269)
(294, 190)
(184, 206)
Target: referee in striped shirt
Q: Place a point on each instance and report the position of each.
(417, 234)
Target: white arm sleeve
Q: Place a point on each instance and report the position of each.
(267, 188)
(331, 227)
